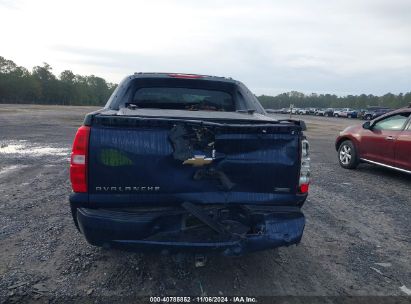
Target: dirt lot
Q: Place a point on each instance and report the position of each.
(356, 242)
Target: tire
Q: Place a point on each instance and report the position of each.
(336, 115)
(347, 155)
(349, 116)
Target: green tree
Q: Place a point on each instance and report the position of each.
(19, 85)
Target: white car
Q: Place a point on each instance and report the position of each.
(338, 112)
(303, 111)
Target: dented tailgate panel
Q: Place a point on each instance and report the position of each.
(173, 162)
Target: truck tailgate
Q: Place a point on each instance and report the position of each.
(151, 161)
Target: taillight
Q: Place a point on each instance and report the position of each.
(78, 161)
(304, 181)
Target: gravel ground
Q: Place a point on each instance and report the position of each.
(356, 242)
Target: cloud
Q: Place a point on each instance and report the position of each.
(10, 4)
(323, 46)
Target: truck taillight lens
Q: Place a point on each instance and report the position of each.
(305, 167)
(78, 161)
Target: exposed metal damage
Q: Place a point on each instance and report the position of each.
(187, 141)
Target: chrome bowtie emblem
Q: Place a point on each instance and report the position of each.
(198, 160)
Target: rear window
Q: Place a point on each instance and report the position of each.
(183, 98)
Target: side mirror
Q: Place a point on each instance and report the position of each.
(367, 125)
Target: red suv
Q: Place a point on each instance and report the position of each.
(385, 141)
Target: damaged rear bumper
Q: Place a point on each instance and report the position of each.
(247, 229)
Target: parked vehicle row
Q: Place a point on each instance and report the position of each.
(370, 113)
(374, 112)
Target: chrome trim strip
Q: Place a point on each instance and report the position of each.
(384, 165)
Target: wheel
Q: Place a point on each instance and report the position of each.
(368, 117)
(347, 155)
(349, 116)
(336, 115)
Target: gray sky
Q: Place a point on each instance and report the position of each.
(323, 46)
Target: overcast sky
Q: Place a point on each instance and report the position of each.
(323, 46)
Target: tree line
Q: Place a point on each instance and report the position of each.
(41, 86)
(301, 100)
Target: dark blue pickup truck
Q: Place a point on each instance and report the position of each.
(181, 162)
